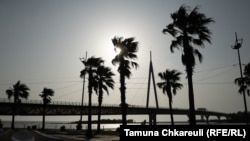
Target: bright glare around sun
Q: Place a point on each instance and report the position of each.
(112, 53)
(117, 50)
(109, 54)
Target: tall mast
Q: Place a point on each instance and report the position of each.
(151, 73)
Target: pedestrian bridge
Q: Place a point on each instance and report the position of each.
(60, 108)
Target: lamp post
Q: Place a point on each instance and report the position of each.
(79, 126)
(237, 46)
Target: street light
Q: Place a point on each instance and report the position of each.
(79, 126)
(238, 43)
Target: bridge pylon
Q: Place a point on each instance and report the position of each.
(151, 74)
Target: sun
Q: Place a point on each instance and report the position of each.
(117, 51)
(105, 49)
(109, 53)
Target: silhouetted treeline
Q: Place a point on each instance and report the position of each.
(238, 117)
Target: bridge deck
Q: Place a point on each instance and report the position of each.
(34, 107)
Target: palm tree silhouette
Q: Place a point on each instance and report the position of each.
(247, 75)
(189, 30)
(46, 95)
(170, 83)
(241, 82)
(105, 81)
(128, 47)
(91, 65)
(246, 80)
(18, 91)
(244, 84)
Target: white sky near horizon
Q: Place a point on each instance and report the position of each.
(41, 42)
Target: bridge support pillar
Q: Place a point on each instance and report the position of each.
(218, 118)
(152, 119)
(202, 117)
(207, 118)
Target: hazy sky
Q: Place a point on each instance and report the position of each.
(41, 42)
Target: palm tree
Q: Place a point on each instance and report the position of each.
(91, 65)
(189, 30)
(170, 84)
(18, 91)
(46, 95)
(247, 75)
(244, 84)
(105, 81)
(128, 47)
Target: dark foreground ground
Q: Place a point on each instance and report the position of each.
(35, 135)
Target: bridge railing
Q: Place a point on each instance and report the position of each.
(33, 101)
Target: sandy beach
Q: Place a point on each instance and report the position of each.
(34, 135)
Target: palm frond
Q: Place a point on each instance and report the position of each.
(170, 80)
(19, 90)
(116, 60)
(46, 95)
(9, 92)
(198, 54)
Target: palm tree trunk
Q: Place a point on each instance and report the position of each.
(43, 128)
(192, 118)
(171, 112)
(99, 119)
(13, 121)
(89, 131)
(189, 68)
(123, 96)
(99, 106)
(123, 104)
(13, 114)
